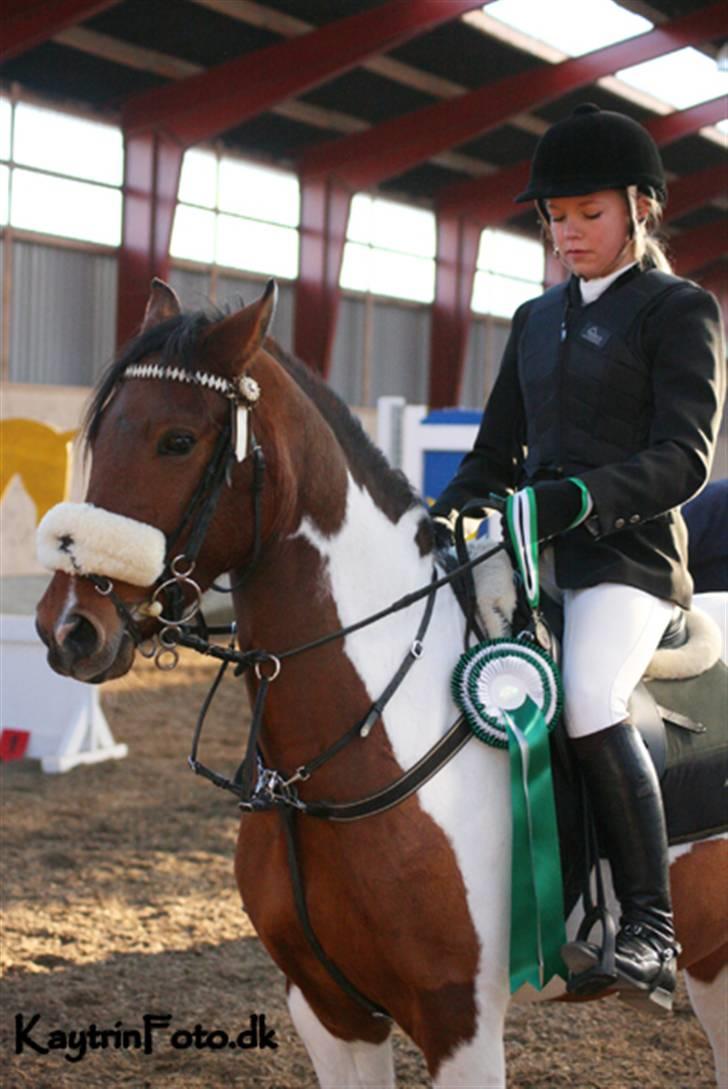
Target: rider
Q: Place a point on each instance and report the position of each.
(608, 404)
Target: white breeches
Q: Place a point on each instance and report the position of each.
(611, 632)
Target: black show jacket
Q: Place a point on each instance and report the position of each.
(627, 394)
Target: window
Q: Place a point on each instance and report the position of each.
(4, 194)
(390, 250)
(509, 270)
(61, 174)
(563, 25)
(682, 78)
(237, 214)
(6, 116)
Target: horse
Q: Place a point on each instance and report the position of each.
(412, 904)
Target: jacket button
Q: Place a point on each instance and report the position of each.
(634, 519)
(619, 523)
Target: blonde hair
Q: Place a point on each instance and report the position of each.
(648, 249)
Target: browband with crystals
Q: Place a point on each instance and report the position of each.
(245, 389)
(242, 393)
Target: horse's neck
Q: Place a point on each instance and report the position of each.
(317, 582)
(371, 561)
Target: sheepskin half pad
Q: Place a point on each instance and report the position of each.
(82, 539)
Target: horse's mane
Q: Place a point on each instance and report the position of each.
(177, 339)
(174, 340)
(389, 487)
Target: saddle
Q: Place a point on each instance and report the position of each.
(679, 708)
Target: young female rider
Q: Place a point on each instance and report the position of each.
(608, 404)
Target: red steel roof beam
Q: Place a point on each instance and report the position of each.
(27, 23)
(693, 250)
(204, 105)
(458, 240)
(490, 198)
(693, 190)
(324, 216)
(674, 126)
(152, 165)
(367, 158)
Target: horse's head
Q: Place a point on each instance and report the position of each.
(173, 430)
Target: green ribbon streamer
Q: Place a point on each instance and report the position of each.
(537, 906)
(524, 538)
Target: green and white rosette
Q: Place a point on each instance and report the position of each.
(510, 694)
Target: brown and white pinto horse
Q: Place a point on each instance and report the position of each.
(412, 904)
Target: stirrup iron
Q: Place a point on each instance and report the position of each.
(592, 968)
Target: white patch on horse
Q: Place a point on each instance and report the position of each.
(341, 1064)
(710, 1002)
(68, 607)
(371, 563)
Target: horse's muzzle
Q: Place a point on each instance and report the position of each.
(86, 643)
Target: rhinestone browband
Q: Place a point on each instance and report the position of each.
(195, 378)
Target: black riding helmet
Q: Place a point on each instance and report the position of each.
(591, 150)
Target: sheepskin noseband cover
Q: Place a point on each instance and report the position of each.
(86, 540)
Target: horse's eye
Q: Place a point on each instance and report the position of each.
(176, 443)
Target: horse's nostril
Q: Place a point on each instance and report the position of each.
(81, 637)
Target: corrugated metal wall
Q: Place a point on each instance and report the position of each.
(486, 344)
(62, 314)
(63, 317)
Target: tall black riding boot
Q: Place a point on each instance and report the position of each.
(625, 797)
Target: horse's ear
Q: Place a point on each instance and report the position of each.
(162, 304)
(234, 340)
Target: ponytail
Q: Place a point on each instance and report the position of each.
(648, 249)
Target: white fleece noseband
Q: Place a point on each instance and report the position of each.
(82, 539)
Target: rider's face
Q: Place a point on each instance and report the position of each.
(591, 232)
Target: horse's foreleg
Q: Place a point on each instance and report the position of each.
(458, 1061)
(707, 984)
(341, 1064)
(480, 1062)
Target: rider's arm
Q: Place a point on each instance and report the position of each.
(684, 340)
(494, 463)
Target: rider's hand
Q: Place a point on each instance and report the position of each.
(560, 505)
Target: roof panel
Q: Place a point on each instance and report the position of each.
(58, 71)
(368, 96)
(691, 154)
(319, 12)
(458, 52)
(273, 136)
(422, 181)
(673, 8)
(505, 145)
(182, 29)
